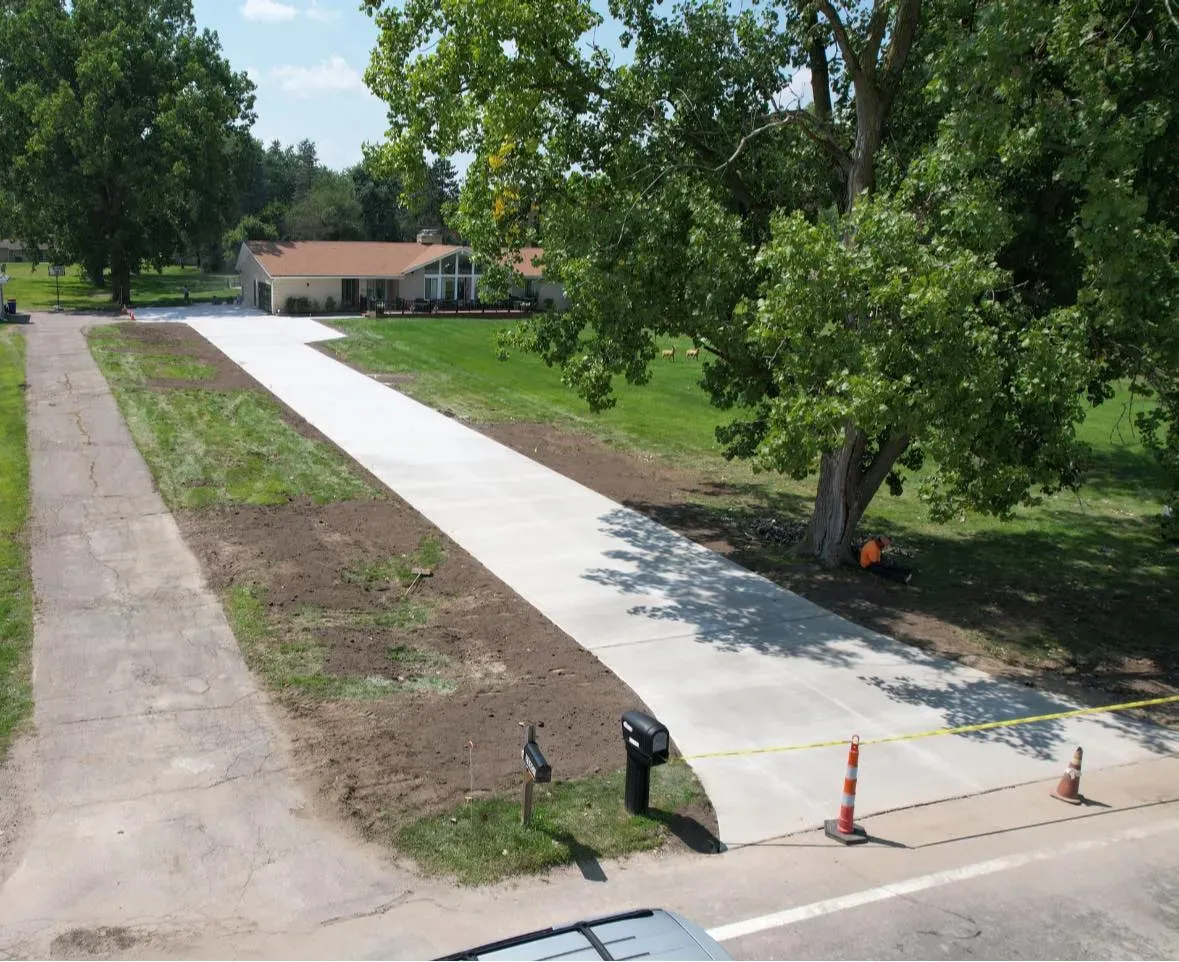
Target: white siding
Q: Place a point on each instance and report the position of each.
(317, 289)
(413, 285)
(250, 272)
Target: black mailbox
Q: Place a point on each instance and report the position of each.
(646, 738)
(538, 769)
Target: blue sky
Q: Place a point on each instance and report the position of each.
(307, 58)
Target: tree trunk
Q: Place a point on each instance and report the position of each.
(97, 271)
(845, 490)
(120, 284)
(837, 509)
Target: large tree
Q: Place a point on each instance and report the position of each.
(118, 117)
(328, 211)
(849, 206)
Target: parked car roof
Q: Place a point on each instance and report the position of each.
(643, 934)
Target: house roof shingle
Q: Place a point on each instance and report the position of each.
(360, 258)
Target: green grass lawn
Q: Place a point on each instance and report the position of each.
(34, 290)
(455, 366)
(216, 447)
(1082, 581)
(16, 592)
(581, 821)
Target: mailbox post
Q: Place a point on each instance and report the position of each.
(536, 769)
(647, 743)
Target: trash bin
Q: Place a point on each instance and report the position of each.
(12, 305)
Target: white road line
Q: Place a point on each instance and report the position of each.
(814, 910)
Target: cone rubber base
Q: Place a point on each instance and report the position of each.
(1079, 799)
(831, 830)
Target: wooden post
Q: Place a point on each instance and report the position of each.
(526, 814)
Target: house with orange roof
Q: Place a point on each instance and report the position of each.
(359, 275)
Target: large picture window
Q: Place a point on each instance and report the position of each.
(452, 278)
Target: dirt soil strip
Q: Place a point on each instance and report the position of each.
(404, 755)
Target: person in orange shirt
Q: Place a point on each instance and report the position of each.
(871, 559)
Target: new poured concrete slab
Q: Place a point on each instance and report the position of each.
(726, 658)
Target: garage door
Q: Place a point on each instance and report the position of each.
(264, 296)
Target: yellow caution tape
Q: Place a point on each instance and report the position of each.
(959, 730)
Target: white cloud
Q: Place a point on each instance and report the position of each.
(254, 74)
(268, 11)
(322, 14)
(333, 75)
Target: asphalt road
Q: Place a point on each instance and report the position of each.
(1117, 901)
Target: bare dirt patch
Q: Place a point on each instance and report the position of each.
(408, 753)
(382, 760)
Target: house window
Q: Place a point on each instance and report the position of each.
(453, 277)
(532, 288)
(350, 291)
(375, 290)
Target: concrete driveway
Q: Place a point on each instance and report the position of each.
(158, 795)
(725, 658)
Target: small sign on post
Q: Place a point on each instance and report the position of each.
(536, 769)
(55, 271)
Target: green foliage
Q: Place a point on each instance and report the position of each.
(16, 586)
(118, 116)
(1015, 251)
(330, 210)
(482, 841)
(248, 228)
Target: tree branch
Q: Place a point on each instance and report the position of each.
(820, 74)
(876, 27)
(805, 122)
(901, 42)
(870, 481)
(841, 38)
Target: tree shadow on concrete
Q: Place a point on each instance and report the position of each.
(725, 605)
(1086, 599)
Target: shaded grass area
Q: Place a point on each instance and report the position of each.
(1083, 583)
(16, 589)
(290, 660)
(33, 288)
(579, 822)
(455, 367)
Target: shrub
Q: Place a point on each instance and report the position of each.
(329, 305)
(291, 305)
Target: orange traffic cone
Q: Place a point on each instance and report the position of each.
(1069, 788)
(844, 829)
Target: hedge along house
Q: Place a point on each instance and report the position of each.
(353, 275)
